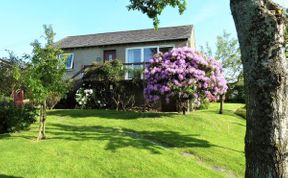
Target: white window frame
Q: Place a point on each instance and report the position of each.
(142, 54)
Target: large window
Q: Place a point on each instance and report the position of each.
(134, 55)
(137, 57)
(69, 59)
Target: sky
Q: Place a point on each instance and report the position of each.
(21, 21)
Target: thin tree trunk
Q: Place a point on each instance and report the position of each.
(261, 36)
(42, 124)
(221, 104)
(184, 107)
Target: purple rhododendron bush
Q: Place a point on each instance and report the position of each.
(184, 74)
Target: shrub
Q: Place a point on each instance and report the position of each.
(4, 100)
(53, 99)
(204, 104)
(104, 87)
(236, 93)
(14, 119)
(119, 95)
(184, 74)
(241, 112)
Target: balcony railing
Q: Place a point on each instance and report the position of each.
(80, 72)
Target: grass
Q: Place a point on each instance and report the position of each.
(96, 143)
(241, 112)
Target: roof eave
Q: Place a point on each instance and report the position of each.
(126, 43)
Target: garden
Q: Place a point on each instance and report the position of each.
(101, 143)
(116, 127)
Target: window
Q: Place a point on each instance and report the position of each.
(148, 53)
(165, 49)
(136, 56)
(69, 59)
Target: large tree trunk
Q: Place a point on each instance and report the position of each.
(42, 122)
(261, 37)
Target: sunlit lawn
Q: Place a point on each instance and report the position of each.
(93, 143)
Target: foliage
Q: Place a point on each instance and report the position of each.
(228, 52)
(206, 50)
(108, 94)
(46, 70)
(154, 8)
(109, 71)
(5, 100)
(241, 112)
(185, 75)
(53, 99)
(109, 88)
(204, 104)
(83, 96)
(44, 75)
(11, 70)
(14, 119)
(236, 92)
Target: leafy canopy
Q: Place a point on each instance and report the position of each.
(46, 70)
(12, 69)
(228, 52)
(153, 8)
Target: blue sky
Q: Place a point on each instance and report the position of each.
(21, 21)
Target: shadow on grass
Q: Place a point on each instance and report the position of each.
(227, 112)
(118, 138)
(108, 114)
(5, 176)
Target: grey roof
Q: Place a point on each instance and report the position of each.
(126, 37)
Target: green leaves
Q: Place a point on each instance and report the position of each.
(154, 8)
(109, 71)
(46, 70)
(228, 52)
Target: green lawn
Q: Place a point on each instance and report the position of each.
(93, 143)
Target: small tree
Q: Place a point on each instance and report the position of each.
(45, 75)
(185, 75)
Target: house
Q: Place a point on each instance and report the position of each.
(134, 47)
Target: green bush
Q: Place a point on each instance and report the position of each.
(236, 93)
(241, 112)
(204, 104)
(5, 99)
(14, 119)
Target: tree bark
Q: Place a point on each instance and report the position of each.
(42, 123)
(221, 104)
(261, 36)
